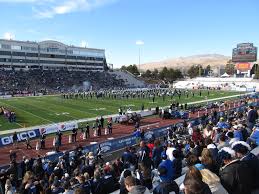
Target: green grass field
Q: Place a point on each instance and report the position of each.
(31, 111)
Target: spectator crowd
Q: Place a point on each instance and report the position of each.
(53, 81)
(216, 155)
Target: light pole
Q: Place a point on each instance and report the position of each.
(139, 43)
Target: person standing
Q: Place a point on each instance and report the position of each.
(252, 115)
(42, 141)
(12, 156)
(102, 121)
(59, 138)
(110, 127)
(15, 140)
(87, 131)
(28, 144)
(74, 134)
(99, 154)
(99, 130)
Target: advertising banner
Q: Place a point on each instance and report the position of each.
(58, 127)
(8, 139)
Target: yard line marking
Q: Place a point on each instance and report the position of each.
(29, 113)
(51, 110)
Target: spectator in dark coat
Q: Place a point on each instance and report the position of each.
(97, 184)
(212, 148)
(177, 164)
(249, 160)
(143, 154)
(252, 115)
(127, 156)
(156, 154)
(233, 175)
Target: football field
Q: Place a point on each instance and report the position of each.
(31, 111)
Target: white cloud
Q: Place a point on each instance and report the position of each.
(67, 6)
(84, 44)
(51, 8)
(139, 42)
(9, 36)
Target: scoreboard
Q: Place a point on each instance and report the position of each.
(244, 52)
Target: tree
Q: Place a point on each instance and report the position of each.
(164, 73)
(207, 70)
(195, 70)
(147, 74)
(131, 68)
(155, 74)
(230, 68)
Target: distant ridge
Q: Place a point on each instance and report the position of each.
(214, 60)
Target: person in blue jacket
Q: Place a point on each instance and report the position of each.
(165, 186)
(168, 164)
(237, 133)
(254, 137)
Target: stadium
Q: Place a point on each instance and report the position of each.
(60, 115)
(176, 114)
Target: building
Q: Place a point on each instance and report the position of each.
(26, 55)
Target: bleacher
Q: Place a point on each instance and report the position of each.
(130, 80)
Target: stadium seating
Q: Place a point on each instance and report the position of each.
(129, 79)
(54, 81)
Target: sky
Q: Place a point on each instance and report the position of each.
(155, 29)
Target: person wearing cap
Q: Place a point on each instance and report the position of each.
(168, 164)
(249, 160)
(234, 177)
(165, 186)
(221, 124)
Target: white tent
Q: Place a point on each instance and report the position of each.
(225, 75)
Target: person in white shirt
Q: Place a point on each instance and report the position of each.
(169, 152)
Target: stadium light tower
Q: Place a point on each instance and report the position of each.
(139, 43)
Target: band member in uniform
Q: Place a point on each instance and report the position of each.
(42, 141)
(74, 134)
(87, 131)
(15, 139)
(28, 142)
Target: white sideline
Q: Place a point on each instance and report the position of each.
(11, 131)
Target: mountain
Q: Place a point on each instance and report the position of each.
(214, 60)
